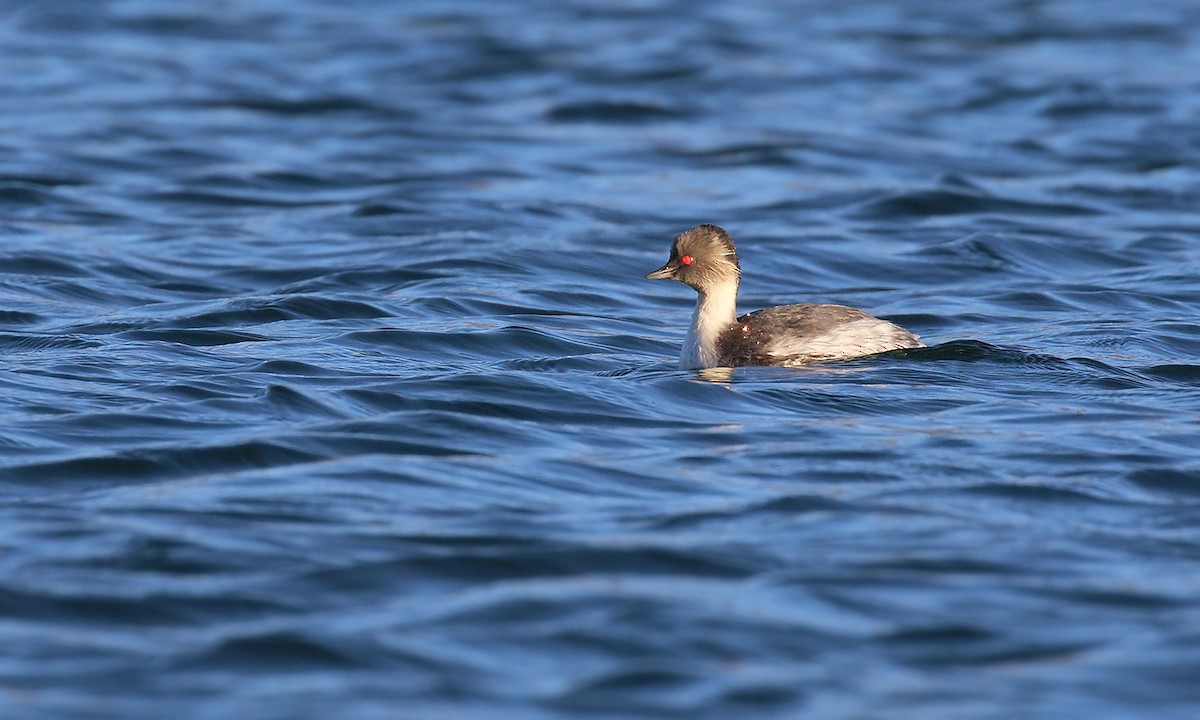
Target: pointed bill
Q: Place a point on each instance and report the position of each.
(666, 272)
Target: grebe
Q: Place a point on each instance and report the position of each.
(787, 335)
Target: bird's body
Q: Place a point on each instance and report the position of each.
(789, 335)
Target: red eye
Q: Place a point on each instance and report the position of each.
(686, 260)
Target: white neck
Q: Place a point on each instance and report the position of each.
(716, 310)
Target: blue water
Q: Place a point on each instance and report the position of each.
(330, 385)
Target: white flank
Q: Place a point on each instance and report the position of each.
(864, 336)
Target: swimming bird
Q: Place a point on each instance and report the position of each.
(789, 335)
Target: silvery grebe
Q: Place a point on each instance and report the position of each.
(787, 335)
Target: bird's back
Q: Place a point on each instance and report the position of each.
(808, 333)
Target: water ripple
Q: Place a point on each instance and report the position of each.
(331, 384)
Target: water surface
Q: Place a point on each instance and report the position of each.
(331, 386)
